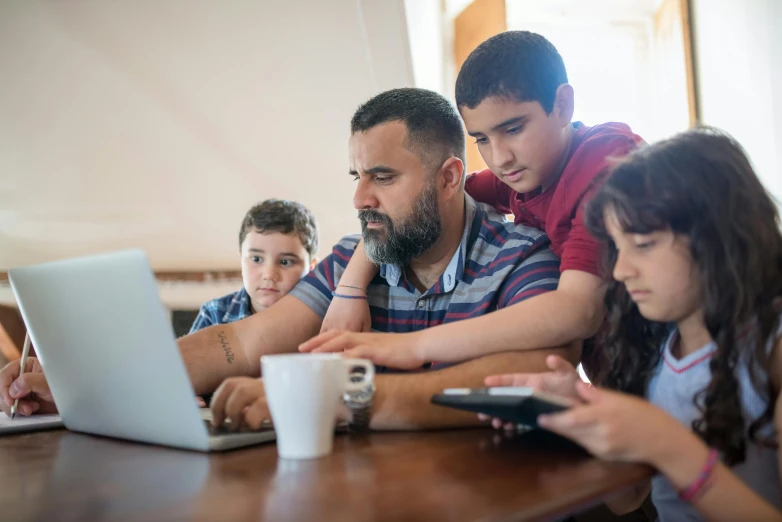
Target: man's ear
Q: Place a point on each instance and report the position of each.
(564, 104)
(313, 262)
(450, 176)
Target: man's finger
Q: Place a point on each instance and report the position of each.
(217, 404)
(256, 414)
(318, 340)
(242, 397)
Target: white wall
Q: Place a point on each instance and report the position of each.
(158, 124)
(425, 29)
(738, 45)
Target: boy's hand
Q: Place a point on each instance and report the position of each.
(560, 381)
(31, 389)
(351, 315)
(614, 426)
(391, 350)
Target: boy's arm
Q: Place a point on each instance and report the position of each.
(572, 312)
(227, 350)
(360, 270)
(537, 314)
(484, 187)
(352, 314)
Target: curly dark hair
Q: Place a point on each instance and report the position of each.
(698, 184)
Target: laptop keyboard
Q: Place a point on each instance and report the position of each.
(225, 429)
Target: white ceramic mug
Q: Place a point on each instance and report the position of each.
(304, 392)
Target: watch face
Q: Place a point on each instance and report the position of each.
(362, 396)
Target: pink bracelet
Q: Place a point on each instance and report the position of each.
(691, 492)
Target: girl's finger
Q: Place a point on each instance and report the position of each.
(588, 392)
(558, 364)
(575, 417)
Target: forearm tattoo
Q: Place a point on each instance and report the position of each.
(229, 354)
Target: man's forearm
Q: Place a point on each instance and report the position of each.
(213, 354)
(402, 401)
(551, 319)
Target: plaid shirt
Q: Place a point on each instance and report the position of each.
(226, 309)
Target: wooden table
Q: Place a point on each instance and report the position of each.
(447, 475)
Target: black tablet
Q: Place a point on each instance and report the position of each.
(517, 404)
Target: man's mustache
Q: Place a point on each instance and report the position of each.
(373, 215)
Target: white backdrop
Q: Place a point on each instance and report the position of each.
(157, 124)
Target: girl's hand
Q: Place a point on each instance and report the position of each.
(560, 381)
(615, 426)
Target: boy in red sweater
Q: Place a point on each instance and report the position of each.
(514, 97)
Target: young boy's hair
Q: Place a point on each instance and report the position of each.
(518, 65)
(285, 217)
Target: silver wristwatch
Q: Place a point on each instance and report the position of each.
(359, 403)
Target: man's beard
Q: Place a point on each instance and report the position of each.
(412, 236)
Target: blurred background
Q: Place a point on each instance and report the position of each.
(156, 125)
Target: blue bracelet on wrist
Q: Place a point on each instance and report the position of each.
(346, 296)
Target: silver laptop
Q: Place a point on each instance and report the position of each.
(108, 350)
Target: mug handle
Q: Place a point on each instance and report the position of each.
(369, 373)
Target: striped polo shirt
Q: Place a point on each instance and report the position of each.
(496, 265)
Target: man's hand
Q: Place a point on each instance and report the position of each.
(391, 350)
(243, 401)
(30, 388)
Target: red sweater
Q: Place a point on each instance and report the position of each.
(559, 210)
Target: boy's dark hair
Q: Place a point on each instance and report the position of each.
(518, 65)
(285, 217)
(699, 184)
(434, 127)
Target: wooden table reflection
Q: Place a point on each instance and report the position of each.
(445, 475)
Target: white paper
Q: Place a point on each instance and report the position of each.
(32, 423)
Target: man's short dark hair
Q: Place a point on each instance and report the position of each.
(285, 217)
(434, 127)
(517, 65)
